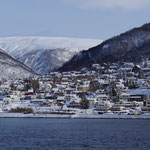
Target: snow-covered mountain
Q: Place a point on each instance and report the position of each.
(44, 54)
(13, 69)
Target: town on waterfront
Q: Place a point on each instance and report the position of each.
(106, 90)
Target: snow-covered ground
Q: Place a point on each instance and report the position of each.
(38, 52)
(79, 116)
(13, 44)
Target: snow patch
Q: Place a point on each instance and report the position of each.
(106, 46)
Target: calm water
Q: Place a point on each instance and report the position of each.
(74, 134)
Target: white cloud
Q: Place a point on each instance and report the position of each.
(122, 4)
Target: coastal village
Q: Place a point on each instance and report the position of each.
(114, 89)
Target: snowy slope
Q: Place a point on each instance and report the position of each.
(43, 54)
(12, 69)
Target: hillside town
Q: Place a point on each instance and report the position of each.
(121, 89)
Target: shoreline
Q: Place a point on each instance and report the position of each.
(79, 116)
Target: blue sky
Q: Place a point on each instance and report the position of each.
(99, 19)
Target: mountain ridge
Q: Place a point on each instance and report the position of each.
(127, 46)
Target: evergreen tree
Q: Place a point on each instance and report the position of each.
(94, 86)
(84, 104)
(35, 85)
(12, 86)
(145, 65)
